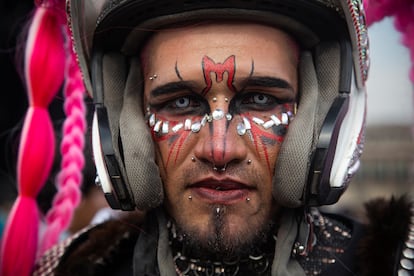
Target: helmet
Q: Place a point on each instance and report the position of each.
(322, 147)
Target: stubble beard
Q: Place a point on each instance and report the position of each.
(219, 242)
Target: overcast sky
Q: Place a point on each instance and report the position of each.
(390, 92)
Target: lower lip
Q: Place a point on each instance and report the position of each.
(220, 196)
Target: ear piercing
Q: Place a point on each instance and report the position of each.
(153, 77)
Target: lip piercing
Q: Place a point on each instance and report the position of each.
(153, 77)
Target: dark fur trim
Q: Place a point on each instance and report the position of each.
(103, 248)
(387, 227)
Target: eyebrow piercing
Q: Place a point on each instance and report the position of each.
(153, 77)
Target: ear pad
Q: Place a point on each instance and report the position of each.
(138, 147)
(133, 152)
(293, 161)
(318, 87)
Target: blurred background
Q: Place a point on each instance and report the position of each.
(387, 166)
(387, 163)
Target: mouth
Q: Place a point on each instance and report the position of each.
(224, 192)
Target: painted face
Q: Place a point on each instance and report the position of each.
(219, 99)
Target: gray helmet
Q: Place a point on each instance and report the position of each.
(322, 147)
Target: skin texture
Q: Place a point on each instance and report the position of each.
(218, 183)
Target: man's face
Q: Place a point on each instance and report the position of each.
(219, 98)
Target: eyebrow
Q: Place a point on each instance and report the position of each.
(172, 87)
(266, 82)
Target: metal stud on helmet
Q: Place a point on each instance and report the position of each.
(322, 148)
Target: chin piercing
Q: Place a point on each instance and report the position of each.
(153, 77)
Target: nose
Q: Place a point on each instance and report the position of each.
(219, 144)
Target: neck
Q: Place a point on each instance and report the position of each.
(189, 261)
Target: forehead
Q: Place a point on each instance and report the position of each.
(249, 42)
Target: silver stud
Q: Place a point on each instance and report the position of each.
(151, 120)
(177, 127)
(258, 121)
(268, 124)
(190, 197)
(248, 199)
(218, 210)
(187, 124)
(165, 128)
(193, 159)
(285, 119)
(408, 253)
(246, 122)
(153, 77)
(214, 99)
(157, 126)
(218, 114)
(241, 129)
(407, 264)
(196, 127)
(403, 272)
(276, 120)
(226, 99)
(229, 117)
(249, 162)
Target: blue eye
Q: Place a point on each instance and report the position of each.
(260, 99)
(182, 102)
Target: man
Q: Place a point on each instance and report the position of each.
(227, 122)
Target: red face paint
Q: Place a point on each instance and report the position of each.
(209, 66)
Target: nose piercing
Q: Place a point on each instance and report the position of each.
(220, 169)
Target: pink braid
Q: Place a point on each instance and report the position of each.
(403, 11)
(44, 63)
(69, 178)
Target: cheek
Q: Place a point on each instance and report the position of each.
(171, 148)
(267, 144)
